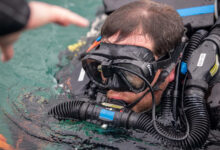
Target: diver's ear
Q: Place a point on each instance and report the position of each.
(171, 76)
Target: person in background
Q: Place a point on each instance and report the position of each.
(17, 16)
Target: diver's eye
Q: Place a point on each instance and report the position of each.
(135, 81)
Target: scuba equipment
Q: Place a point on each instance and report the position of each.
(110, 67)
(94, 44)
(216, 6)
(123, 67)
(62, 127)
(191, 126)
(128, 68)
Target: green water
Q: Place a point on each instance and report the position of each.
(34, 63)
(33, 67)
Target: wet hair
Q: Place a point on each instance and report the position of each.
(160, 22)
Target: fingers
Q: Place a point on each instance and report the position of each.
(42, 13)
(65, 17)
(6, 45)
(7, 53)
(2, 138)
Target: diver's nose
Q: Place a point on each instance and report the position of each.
(116, 83)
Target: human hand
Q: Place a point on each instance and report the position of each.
(6, 45)
(40, 14)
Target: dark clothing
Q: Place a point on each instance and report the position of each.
(14, 15)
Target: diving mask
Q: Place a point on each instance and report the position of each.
(122, 67)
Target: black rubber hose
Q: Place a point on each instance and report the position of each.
(90, 112)
(66, 110)
(176, 92)
(195, 111)
(197, 117)
(166, 100)
(194, 42)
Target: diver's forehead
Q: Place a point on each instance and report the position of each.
(134, 39)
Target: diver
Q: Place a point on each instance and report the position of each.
(119, 30)
(140, 60)
(144, 31)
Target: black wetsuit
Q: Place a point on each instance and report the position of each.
(14, 15)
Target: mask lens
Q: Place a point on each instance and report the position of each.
(129, 76)
(94, 69)
(133, 80)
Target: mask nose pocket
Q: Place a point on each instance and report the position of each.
(116, 83)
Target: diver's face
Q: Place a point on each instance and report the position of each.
(129, 97)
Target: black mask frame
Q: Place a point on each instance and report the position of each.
(111, 55)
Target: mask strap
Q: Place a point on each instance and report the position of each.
(173, 57)
(94, 44)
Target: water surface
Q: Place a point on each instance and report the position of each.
(34, 63)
